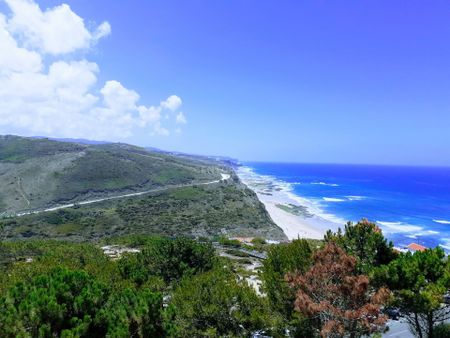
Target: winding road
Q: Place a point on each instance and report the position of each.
(70, 205)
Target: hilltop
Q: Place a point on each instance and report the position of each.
(118, 189)
(39, 173)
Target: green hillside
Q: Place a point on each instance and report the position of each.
(225, 208)
(39, 173)
(182, 195)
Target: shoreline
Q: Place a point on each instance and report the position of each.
(296, 216)
(300, 217)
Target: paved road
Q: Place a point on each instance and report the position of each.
(251, 253)
(224, 177)
(398, 329)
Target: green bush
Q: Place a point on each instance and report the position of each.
(67, 303)
(260, 241)
(45, 255)
(442, 331)
(229, 242)
(282, 259)
(215, 304)
(365, 241)
(132, 313)
(169, 259)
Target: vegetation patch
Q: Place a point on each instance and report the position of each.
(205, 210)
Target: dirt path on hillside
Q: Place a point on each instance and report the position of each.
(21, 191)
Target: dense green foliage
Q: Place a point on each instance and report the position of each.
(366, 242)
(73, 304)
(216, 304)
(168, 259)
(21, 261)
(223, 240)
(419, 282)
(132, 313)
(178, 287)
(442, 331)
(51, 288)
(204, 210)
(282, 259)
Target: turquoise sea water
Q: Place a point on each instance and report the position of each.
(410, 204)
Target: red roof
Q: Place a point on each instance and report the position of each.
(416, 247)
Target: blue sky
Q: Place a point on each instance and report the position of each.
(298, 81)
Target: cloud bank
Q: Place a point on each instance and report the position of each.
(46, 88)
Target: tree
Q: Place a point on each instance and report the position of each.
(281, 259)
(45, 255)
(442, 331)
(215, 304)
(168, 258)
(419, 282)
(65, 303)
(131, 313)
(341, 302)
(366, 242)
(2, 235)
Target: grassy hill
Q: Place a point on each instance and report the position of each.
(225, 208)
(36, 174)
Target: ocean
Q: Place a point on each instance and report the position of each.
(410, 204)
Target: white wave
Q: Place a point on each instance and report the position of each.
(445, 244)
(409, 230)
(261, 182)
(355, 198)
(441, 221)
(315, 207)
(332, 199)
(346, 198)
(284, 191)
(327, 184)
(446, 247)
(400, 227)
(389, 223)
(273, 189)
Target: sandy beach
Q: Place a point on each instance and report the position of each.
(297, 217)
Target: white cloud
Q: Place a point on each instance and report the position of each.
(149, 114)
(159, 130)
(118, 98)
(56, 31)
(172, 103)
(61, 98)
(14, 58)
(103, 30)
(180, 119)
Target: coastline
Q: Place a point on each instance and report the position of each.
(296, 216)
(310, 217)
